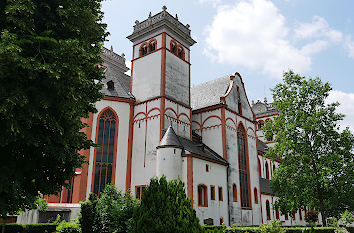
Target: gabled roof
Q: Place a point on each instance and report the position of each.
(121, 84)
(209, 93)
(170, 139)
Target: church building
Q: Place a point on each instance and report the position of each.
(155, 123)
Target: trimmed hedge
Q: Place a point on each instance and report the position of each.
(222, 229)
(243, 230)
(307, 229)
(30, 228)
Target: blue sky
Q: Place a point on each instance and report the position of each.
(257, 38)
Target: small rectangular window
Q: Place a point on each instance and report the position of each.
(212, 192)
(220, 194)
(139, 191)
(202, 195)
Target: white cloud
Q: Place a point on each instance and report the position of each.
(318, 28)
(314, 47)
(254, 34)
(350, 47)
(214, 2)
(346, 107)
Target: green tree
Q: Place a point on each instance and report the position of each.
(317, 158)
(165, 209)
(49, 79)
(114, 211)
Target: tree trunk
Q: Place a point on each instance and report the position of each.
(322, 210)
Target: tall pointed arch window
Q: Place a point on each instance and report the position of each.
(243, 167)
(267, 170)
(105, 154)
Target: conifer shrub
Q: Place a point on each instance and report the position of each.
(88, 214)
(165, 209)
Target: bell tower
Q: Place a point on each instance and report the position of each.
(161, 58)
(160, 82)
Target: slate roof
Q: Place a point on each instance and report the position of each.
(265, 186)
(195, 147)
(209, 93)
(201, 149)
(170, 139)
(121, 84)
(261, 146)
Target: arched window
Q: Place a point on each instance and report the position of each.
(300, 214)
(255, 195)
(267, 170)
(243, 167)
(143, 49)
(202, 195)
(268, 210)
(173, 47)
(287, 216)
(152, 45)
(104, 157)
(239, 104)
(180, 52)
(277, 212)
(260, 124)
(259, 168)
(234, 192)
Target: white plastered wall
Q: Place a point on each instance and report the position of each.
(216, 176)
(146, 137)
(232, 99)
(182, 114)
(177, 78)
(147, 76)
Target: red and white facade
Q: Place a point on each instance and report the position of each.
(217, 156)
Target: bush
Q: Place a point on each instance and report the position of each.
(347, 217)
(243, 230)
(272, 227)
(30, 228)
(214, 229)
(40, 228)
(165, 208)
(114, 211)
(88, 214)
(68, 227)
(12, 228)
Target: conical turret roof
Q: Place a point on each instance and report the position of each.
(170, 139)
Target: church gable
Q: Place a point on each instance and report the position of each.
(236, 97)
